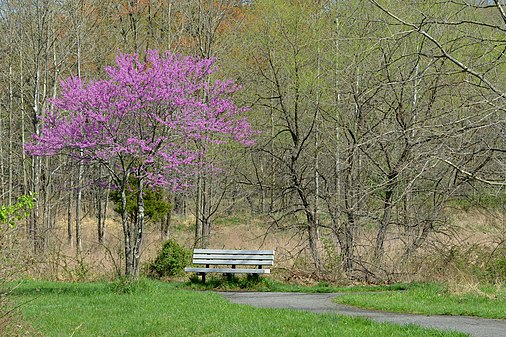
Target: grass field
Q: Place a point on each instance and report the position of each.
(434, 299)
(152, 308)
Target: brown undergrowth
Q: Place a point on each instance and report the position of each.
(470, 251)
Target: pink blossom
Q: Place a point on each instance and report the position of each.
(145, 118)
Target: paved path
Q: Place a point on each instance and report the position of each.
(321, 303)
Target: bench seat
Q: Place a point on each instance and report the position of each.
(228, 270)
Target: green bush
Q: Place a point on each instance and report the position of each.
(496, 271)
(171, 260)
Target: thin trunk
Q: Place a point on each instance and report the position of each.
(22, 111)
(349, 225)
(11, 140)
(273, 159)
(387, 214)
(418, 241)
(133, 21)
(169, 27)
(313, 243)
(139, 230)
(46, 216)
(79, 240)
(335, 203)
(36, 165)
(262, 189)
(104, 214)
(48, 208)
(166, 220)
(2, 165)
(206, 206)
(312, 229)
(127, 231)
(70, 239)
(317, 139)
(100, 231)
(100, 237)
(24, 160)
(337, 131)
(198, 215)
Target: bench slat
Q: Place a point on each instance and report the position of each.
(238, 262)
(234, 257)
(227, 270)
(237, 252)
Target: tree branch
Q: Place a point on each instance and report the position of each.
(469, 174)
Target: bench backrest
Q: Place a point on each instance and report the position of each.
(233, 257)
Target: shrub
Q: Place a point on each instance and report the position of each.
(170, 261)
(496, 270)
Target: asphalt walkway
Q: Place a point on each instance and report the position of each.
(321, 303)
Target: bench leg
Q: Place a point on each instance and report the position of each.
(255, 277)
(203, 277)
(229, 275)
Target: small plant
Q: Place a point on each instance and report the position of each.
(11, 322)
(19, 211)
(127, 285)
(495, 271)
(170, 261)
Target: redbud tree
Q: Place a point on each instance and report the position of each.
(150, 120)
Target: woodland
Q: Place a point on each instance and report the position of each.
(361, 127)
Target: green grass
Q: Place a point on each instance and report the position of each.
(152, 308)
(233, 220)
(433, 299)
(491, 200)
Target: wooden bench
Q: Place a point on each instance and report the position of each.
(232, 258)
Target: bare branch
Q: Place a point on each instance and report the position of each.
(445, 53)
(469, 174)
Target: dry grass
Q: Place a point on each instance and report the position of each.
(476, 236)
(104, 260)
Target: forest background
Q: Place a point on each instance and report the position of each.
(380, 157)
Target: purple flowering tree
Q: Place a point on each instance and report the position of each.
(151, 121)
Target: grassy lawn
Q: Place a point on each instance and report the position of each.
(160, 309)
(433, 299)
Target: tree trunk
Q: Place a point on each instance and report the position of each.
(347, 232)
(79, 240)
(139, 230)
(100, 212)
(198, 213)
(312, 230)
(11, 126)
(127, 233)
(104, 215)
(36, 164)
(70, 239)
(206, 212)
(166, 221)
(387, 214)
